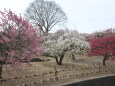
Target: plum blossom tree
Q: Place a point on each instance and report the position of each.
(103, 45)
(18, 39)
(71, 42)
(78, 43)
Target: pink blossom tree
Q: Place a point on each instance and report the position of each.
(103, 45)
(18, 39)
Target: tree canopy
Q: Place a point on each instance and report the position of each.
(70, 42)
(45, 15)
(18, 39)
(103, 45)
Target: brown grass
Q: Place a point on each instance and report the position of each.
(40, 67)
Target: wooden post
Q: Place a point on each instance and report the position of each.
(56, 73)
(112, 69)
(3, 83)
(83, 71)
(99, 69)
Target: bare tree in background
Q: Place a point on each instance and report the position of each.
(45, 15)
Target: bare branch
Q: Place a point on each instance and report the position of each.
(45, 15)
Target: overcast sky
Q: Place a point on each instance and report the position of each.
(86, 16)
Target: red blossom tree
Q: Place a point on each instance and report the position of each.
(104, 45)
(18, 39)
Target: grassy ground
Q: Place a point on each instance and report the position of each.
(49, 65)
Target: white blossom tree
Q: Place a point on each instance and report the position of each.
(71, 42)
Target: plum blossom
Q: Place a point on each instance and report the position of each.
(18, 39)
(70, 42)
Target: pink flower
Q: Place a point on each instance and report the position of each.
(5, 39)
(1, 59)
(20, 39)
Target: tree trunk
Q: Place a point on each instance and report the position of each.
(73, 57)
(61, 59)
(104, 64)
(104, 59)
(0, 71)
(56, 58)
(45, 33)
